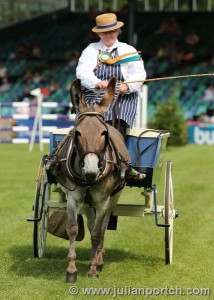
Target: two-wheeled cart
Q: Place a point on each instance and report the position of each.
(146, 147)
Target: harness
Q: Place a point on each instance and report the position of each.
(67, 162)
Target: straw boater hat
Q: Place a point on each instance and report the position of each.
(107, 22)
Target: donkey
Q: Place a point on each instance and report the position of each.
(92, 163)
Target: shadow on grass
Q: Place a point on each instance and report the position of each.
(54, 262)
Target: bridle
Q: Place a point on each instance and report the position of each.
(99, 154)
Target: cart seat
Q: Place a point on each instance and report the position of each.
(146, 148)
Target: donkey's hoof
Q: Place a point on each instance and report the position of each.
(71, 277)
(93, 275)
(100, 268)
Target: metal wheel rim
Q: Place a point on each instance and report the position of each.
(40, 227)
(169, 213)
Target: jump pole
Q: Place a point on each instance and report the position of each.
(37, 121)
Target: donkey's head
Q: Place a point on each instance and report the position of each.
(91, 133)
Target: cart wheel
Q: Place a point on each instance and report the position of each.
(42, 196)
(168, 213)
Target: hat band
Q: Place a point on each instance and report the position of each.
(107, 26)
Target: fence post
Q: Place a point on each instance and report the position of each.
(142, 105)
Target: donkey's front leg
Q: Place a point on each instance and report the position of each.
(97, 241)
(103, 211)
(72, 231)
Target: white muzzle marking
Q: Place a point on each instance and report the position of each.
(90, 168)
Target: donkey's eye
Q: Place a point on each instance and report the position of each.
(104, 133)
(78, 134)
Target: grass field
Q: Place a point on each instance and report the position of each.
(134, 253)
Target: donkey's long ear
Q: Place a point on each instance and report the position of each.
(77, 99)
(75, 93)
(109, 94)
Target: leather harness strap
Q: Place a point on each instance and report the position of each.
(67, 152)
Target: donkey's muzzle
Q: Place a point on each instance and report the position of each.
(91, 170)
(90, 176)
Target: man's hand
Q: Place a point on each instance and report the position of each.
(102, 84)
(123, 88)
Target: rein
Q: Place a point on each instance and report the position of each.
(170, 77)
(81, 116)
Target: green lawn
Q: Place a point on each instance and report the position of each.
(134, 253)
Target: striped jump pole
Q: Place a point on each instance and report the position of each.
(44, 117)
(27, 104)
(37, 124)
(25, 129)
(22, 141)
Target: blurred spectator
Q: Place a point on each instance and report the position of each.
(28, 76)
(212, 116)
(26, 52)
(192, 38)
(35, 52)
(53, 86)
(212, 60)
(171, 52)
(22, 52)
(37, 77)
(203, 118)
(26, 96)
(173, 26)
(209, 93)
(162, 27)
(3, 70)
(190, 47)
(170, 25)
(5, 85)
(72, 58)
(188, 56)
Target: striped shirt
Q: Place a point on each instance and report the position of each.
(127, 102)
(89, 75)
